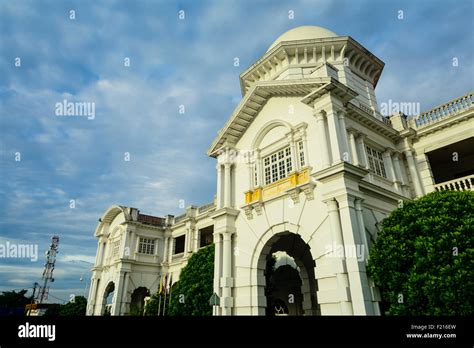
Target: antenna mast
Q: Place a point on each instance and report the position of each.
(48, 270)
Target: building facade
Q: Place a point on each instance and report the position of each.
(307, 167)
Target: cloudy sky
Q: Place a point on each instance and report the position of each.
(173, 62)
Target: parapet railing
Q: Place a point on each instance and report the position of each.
(448, 109)
(206, 207)
(179, 218)
(459, 184)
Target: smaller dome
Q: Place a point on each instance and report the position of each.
(306, 32)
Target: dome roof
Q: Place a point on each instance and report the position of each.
(303, 33)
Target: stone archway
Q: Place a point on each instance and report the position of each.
(107, 299)
(283, 287)
(300, 296)
(137, 303)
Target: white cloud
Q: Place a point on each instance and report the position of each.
(79, 258)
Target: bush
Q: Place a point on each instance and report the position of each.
(423, 258)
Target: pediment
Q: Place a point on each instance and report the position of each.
(253, 102)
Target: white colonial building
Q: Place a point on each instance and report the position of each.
(307, 167)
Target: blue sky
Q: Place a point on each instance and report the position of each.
(174, 62)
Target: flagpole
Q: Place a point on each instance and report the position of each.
(171, 288)
(159, 306)
(164, 305)
(164, 287)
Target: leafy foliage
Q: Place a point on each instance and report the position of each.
(14, 299)
(270, 284)
(423, 258)
(13, 303)
(76, 308)
(151, 309)
(191, 294)
(53, 311)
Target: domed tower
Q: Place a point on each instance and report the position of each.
(302, 151)
(309, 52)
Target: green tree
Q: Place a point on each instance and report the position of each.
(12, 302)
(76, 308)
(191, 294)
(53, 311)
(14, 299)
(151, 309)
(423, 258)
(270, 284)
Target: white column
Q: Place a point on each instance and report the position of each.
(171, 247)
(361, 296)
(320, 115)
(187, 237)
(336, 232)
(227, 184)
(363, 154)
(219, 187)
(196, 239)
(124, 293)
(91, 298)
(165, 249)
(137, 244)
(189, 240)
(100, 250)
(126, 244)
(389, 168)
(133, 244)
(346, 155)
(250, 167)
(360, 218)
(118, 293)
(294, 161)
(398, 169)
(227, 280)
(304, 138)
(217, 269)
(334, 136)
(260, 178)
(413, 173)
(363, 235)
(355, 156)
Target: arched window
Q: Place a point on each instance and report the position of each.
(281, 151)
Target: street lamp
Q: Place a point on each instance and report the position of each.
(82, 279)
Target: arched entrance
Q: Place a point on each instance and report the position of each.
(108, 299)
(283, 285)
(137, 303)
(288, 273)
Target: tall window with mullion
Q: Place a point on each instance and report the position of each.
(301, 154)
(376, 164)
(277, 165)
(146, 246)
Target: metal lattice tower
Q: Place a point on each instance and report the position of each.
(48, 270)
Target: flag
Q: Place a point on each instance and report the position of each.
(160, 289)
(165, 283)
